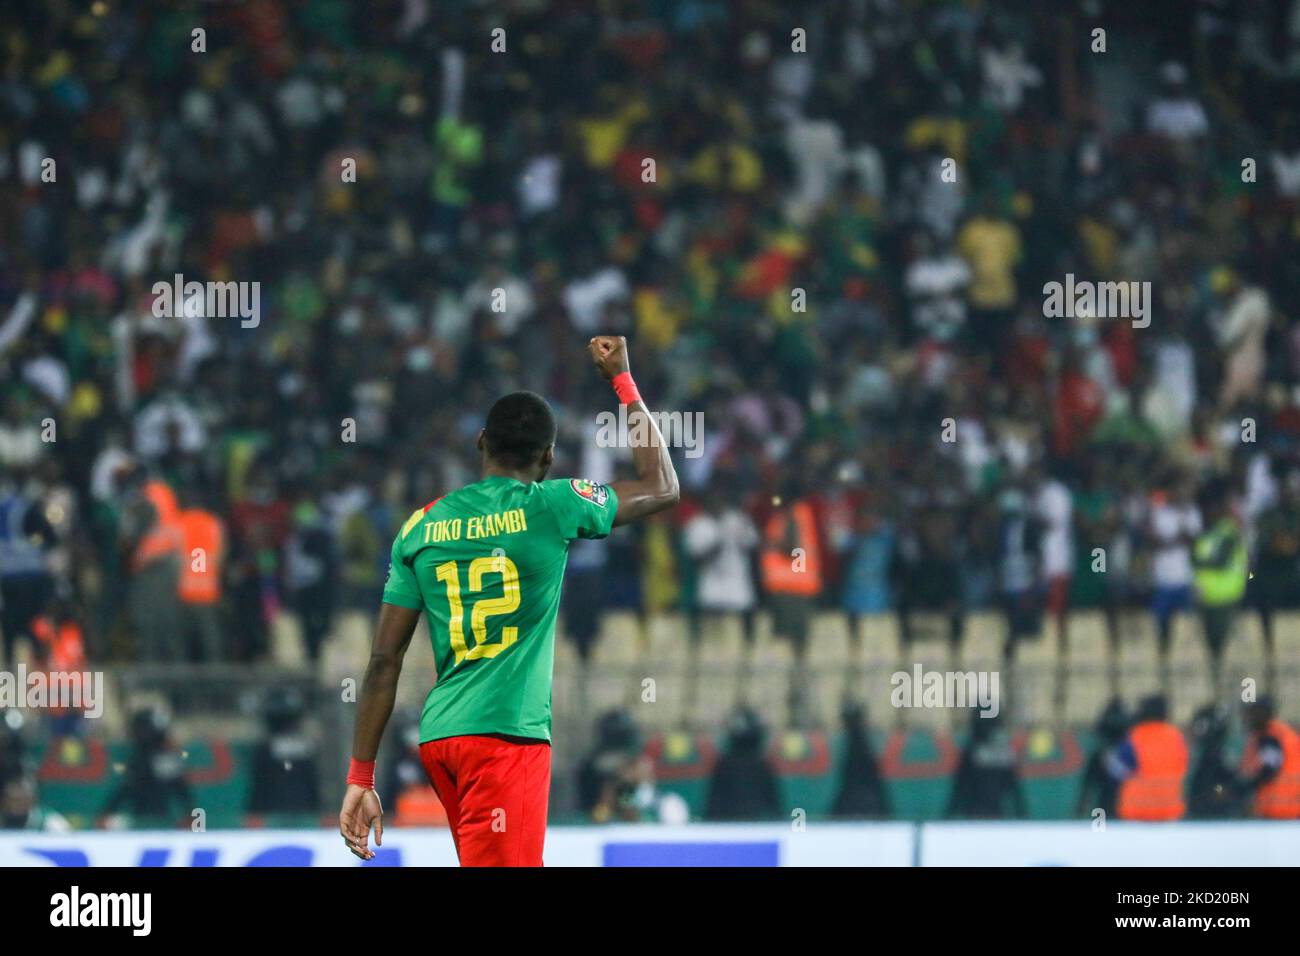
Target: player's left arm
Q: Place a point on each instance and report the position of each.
(655, 487)
(361, 807)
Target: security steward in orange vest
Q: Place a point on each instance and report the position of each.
(1270, 764)
(62, 650)
(150, 538)
(203, 546)
(1151, 765)
(791, 567)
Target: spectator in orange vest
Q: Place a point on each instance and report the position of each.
(1270, 765)
(150, 538)
(59, 639)
(791, 565)
(62, 651)
(1151, 765)
(202, 561)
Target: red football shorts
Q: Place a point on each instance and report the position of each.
(495, 793)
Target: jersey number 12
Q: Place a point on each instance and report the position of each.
(449, 574)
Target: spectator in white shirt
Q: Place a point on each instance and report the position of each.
(1054, 507)
(586, 297)
(1174, 523)
(936, 284)
(1240, 322)
(721, 540)
(1176, 114)
(1007, 74)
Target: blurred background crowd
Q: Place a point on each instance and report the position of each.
(838, 257)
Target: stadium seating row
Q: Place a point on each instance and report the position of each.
(674, 675)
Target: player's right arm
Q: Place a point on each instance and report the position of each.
(361, 807)
(398, 615)
(655, 487)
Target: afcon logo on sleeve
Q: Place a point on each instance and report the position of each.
(593, 492)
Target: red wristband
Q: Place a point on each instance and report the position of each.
(362, 773)
(625, 388)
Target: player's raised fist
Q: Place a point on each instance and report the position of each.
(609, 352)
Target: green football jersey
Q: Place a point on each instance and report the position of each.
(485, 564)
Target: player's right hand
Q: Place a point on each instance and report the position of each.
(609, 352)
(361, 810)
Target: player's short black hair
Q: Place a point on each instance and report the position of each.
(519, 427)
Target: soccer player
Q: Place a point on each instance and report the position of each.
(485, 565)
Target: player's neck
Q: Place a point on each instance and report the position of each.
(493, 470)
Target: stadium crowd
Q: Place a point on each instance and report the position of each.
(837, 256)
